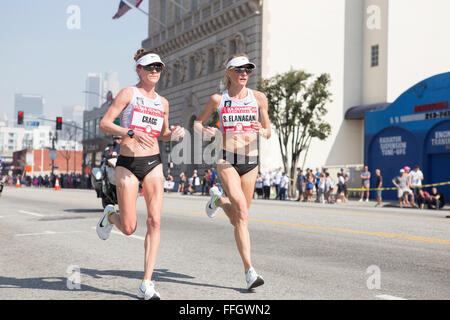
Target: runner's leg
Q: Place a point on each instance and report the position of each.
(153, 186)
(127, 186)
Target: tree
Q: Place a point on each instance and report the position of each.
(297, 105)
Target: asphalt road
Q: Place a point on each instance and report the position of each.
(50, 250)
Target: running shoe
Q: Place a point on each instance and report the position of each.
(253, 279)
(104, 226)
(147, 291)
(211, 206)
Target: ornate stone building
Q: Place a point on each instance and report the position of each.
(370, 49)
(195, 43)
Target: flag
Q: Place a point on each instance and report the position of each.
(123, 7)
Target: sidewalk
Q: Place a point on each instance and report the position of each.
(351, 203)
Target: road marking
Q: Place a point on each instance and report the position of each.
(31, 213)
(124, 235)
(131, 236)
(378, 234)
(388, 297)
(45, 233)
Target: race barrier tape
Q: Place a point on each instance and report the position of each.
(394, 188)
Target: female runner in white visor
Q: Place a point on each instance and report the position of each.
(143, 118)
(243, 116)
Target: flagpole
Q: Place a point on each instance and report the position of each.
(179, 5)
(146, 13)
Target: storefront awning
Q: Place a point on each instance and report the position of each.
(359, 112)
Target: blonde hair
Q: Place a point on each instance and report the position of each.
(227, 80)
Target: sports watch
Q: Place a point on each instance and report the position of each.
(130, 133)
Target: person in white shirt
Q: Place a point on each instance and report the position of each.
(416, 177)
(284, 182)
(266, 185)
(276, 182)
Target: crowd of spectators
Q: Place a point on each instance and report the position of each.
(66, 180)
(319, 186)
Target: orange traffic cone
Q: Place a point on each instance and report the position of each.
(18, 183)
(57, 184)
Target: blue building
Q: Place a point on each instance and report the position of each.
(414, 129)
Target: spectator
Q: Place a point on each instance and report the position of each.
(266, 185)
(365, 184)
(329, 186)
(259, 186)
(309, 185)
(205, 189)
(403, 187)
(213, 177)
(284, 182)
(341, 187)
(321, 189)
(317, 176)
(276, 182)
(196, 181)
(423, 198)
(346, 179)
(300, 184)
(437, 200)
(378, 186)
(416, 179)
(182, 182)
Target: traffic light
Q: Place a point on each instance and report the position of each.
(58, 123)
(20, 117)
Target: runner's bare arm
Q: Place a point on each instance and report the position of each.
(264, 126)
(210, 107)
(174, 132)
(107, 123)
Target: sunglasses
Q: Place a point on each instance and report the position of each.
(242, 70)
(153, 67)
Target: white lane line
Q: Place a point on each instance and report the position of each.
(45, 233)
(31, 213)
(123, 235)
(388, 297)
(132, 236)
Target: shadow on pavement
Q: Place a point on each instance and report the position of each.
(61, 283)
(84, 210)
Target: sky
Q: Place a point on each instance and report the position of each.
(40, 54)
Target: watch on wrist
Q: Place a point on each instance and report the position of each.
(130, 133)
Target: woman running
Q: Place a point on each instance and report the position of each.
(243, 115)
(143, 118)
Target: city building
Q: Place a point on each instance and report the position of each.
(73, 114)
(373, 50)
(413, 130)
(111, 83)
(32, 106)
(94, 91)
(13, 139)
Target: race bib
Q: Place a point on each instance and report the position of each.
(238, 119)
(148, 120)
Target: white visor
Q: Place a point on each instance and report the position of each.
(149, 59)
(239, 62)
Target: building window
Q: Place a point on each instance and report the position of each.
(375, 56)
(232, 47)
(163, 17)
(211, 61)
(179, 10)
(195, 5)
(191, 68)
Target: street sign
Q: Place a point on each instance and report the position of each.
(52, 154)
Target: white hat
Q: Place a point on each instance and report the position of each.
(239, 62)
(149, 59)
(401, 170)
